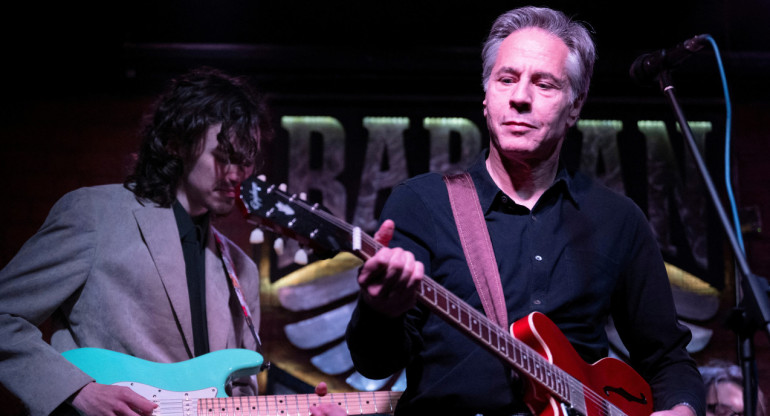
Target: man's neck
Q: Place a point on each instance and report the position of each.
(524, 181)
(193, 211)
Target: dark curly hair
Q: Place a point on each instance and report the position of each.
(175, 128)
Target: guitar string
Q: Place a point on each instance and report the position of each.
(369, 243)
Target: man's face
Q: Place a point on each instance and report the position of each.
(210, 183)
(527, 103)
(725, 399)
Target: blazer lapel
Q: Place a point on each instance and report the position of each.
(158, 226)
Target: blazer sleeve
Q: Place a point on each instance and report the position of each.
(45, 276)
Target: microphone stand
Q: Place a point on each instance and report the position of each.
(753, 310)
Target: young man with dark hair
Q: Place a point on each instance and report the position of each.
(138, 268)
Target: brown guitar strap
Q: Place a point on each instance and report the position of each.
(477, 246)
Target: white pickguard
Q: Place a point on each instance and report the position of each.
(171, 402)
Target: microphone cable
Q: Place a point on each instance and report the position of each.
(728, 143)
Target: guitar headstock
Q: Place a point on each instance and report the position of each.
(271, 208)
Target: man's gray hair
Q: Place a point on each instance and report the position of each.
(582, 52)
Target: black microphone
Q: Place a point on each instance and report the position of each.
(647, 67)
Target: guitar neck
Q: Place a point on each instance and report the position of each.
(491, 336)
(359, 403)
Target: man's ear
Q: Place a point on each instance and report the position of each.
(484, 104)
(574, 111)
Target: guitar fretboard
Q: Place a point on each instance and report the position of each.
(359, 403)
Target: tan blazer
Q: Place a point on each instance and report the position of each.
(109, 271)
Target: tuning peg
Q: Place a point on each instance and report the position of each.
(282, 187)
(303, 196)
(257, 236)
(262, 177)
(300, 257)
(278, 246)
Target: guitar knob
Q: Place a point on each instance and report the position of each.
(257, 236)
(300, 257)
(278, 246)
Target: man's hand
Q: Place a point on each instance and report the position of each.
(96, 399)
(390, 279)
(679, 410)
(325, 409)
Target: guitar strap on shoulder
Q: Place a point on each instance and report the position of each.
(477, 245)
(225, 255)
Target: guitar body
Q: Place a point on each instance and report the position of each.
(197, 387)
(608, 378)
(210, 371)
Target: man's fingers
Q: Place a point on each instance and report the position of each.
(386, 267)
(321, 389)
(136, 402)
(385, 233)
(101, 399)
(141, 405)
(390, 279)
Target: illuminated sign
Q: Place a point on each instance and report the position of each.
(673, 186)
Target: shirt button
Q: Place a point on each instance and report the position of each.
(536, 301)
(504, 199)
(539, 258)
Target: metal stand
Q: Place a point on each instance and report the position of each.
(752, 310)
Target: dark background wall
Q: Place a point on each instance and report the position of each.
(78, 78)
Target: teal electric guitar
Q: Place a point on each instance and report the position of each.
(197, 387)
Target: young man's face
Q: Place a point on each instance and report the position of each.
(209, 182)
(527, 104)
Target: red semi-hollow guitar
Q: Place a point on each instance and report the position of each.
(560, 382)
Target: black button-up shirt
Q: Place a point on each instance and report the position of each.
(582, 254)
(194, 236)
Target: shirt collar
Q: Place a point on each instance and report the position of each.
(197, 226)
(488, 190)
(565, 180)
